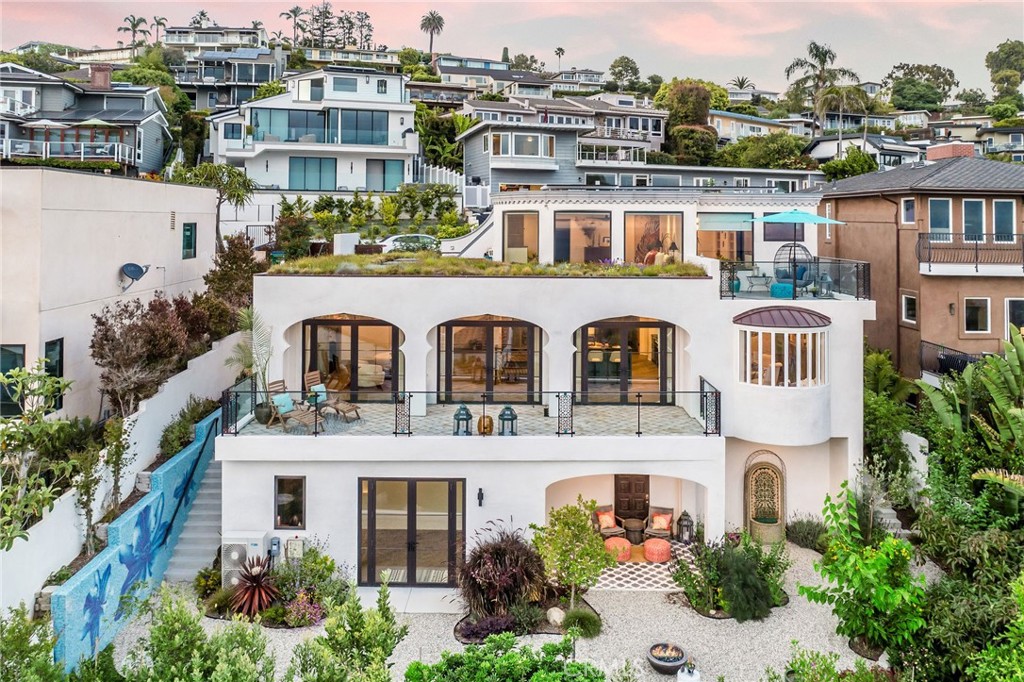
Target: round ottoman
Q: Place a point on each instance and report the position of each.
(657, 551)
(619, 547)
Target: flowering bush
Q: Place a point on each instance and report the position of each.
(870, 588)
(303, 611)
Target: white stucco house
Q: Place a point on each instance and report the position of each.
(65, 239)
(725, 394)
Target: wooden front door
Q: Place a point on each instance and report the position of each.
(632, 496)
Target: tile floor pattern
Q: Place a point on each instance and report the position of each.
(656, 577)
(378, 419)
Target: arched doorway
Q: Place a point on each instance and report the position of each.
(489, 354)
(764, 496)
(617, 358)
(357, 356)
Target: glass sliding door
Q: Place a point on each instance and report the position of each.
(616, 359)
(414, 529)
(357, 357)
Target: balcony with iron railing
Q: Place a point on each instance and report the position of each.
(941, 360)
(82, 151)
(814, 278)
(498, 414)
(988, 250)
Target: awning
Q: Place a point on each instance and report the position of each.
(782, 317)
(736, 222)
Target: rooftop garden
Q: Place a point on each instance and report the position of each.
(429, 264)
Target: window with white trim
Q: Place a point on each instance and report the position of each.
(940, 220)
(789, 359)
(488, 115)
(976, 316)
(908, 306)
(1004, 217)
(514, 118)
(522, 144)
(741, 182)
(703, 182)
(907, 211)
(1014, 314)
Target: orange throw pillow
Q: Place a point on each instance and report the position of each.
(661, 521)
(606, 520)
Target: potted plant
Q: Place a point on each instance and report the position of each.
(249, 132)
(251, 356)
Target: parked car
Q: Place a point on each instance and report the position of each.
(411, 242)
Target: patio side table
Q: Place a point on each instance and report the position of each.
(634, 531)
(758, 281)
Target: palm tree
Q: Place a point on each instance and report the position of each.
(559, 52)
(257, 24)
(200, 16)
(818, 73)
(844, 97)
(742, 83)
(279, 37)
(432, 23)
(133, 25)
(293, 15)
(157, 24)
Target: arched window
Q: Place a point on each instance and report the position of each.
(784, 347)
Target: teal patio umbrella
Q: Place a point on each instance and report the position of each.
(795, 217)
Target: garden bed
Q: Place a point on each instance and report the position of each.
(544, 627)
(679, 598)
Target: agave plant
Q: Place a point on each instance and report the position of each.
(255, 590)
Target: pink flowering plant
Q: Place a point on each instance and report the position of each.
(870, 588)
(303, 611)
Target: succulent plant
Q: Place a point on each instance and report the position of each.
(255, 590)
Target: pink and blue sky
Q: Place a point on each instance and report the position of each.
(715, 40)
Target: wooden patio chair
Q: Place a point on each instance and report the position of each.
(300, 412)
(614, 531)
(325, 401)
(650, 531)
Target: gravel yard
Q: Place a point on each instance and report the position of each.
(633, 620)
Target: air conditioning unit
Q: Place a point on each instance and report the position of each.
(236, 549)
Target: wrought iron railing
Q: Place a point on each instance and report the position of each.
(817, 277)
(944, 361)
(986, 248)
(502, 414)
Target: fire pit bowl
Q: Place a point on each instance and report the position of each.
(666, 658)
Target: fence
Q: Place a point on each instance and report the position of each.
(940, 360)
(90, 609)
(816, 276)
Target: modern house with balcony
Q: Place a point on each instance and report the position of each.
(46, 117)
(733, 127)
(192, 40)
(849, 120)
(508, 155)
(382, 60)
(220, 79)
(335, 129)
(888, 151)
(444, 96)
(495, 81)
(740, 95)
(451, 60)
(946, 244)
(1003, 140)
(577, 80)
(621, 119)
(478, 403)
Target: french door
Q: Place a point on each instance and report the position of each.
(411, 529)
(616, 359)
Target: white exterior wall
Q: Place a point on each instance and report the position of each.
(270, 168)
(63, 239)
(366, 88)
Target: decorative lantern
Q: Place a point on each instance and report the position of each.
(684, 528)
(508, 418)
(463, 418)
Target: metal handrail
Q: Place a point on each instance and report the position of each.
(985, 248)
(943, 360)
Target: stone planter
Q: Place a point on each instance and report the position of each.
(262, 413)
(767, 533)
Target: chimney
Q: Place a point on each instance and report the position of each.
(99, 76)
(949, 150)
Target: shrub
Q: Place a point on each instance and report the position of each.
(870, 589)
(255, 590)
(273, 615)
(501, 570)
(220, 601)
(573, 553)
(316, 574)
(303, 611)
(808, 532)
(206, 582)
(815, 666)
(179, 433)
(389, 210)
(482, 628)
(527, 616)
(27, 647)
(1003, 659)
(499, 659)
(744, 593)
(587, 622)
(701, 585)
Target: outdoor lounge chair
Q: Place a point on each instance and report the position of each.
(650, 531)
(614, 531)
(315, 383)
(284, 410)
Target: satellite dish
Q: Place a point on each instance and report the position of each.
(132, 272)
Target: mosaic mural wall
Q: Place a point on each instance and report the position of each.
(90, 608)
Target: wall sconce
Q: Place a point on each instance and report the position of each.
(351, 166)
(367, 80)
(480, 497)
(266, 165)
(401, 120)
(952, 309)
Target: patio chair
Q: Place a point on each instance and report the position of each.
(650, 531)
(314, 383)
(284, 410)
(612, 531)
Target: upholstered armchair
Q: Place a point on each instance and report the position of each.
(658, 523)
(615, 530)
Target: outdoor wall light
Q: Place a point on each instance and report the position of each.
(480, 497)
(401, 120)
(351, 166)
(952, 309)
(266, 165)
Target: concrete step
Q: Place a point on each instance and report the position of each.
(199, 540)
